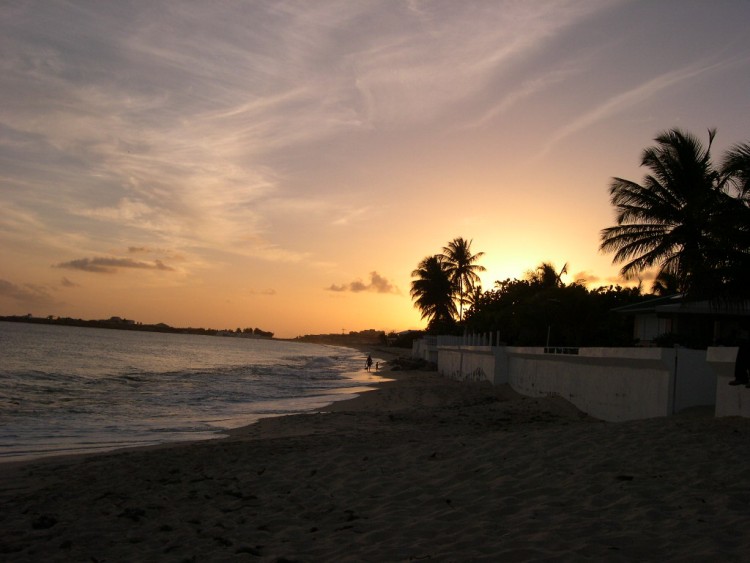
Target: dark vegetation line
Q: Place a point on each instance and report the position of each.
(118, 323)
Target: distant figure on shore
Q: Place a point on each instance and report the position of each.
(377, 366)
(368, 363)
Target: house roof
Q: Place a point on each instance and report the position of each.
(676, 305)
(650, 305)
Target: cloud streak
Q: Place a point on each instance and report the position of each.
(377, 284)
(625, 100)
(177, 148)
(27, 294)
(268, 292)
(104, 265)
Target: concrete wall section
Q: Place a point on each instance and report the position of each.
(612, 389)
(425, 349)
(695, 381)
(731, 400)
(467, 363)
(613, 384)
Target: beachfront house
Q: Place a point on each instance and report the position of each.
(670, 320)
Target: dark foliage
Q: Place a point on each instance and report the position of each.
(688, 218)
(535, 313)
(404, 339)
(432, 290)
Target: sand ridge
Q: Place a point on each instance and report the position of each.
(423, 468)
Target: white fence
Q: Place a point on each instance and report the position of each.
(613, 384)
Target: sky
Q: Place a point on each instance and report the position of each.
(286, 165)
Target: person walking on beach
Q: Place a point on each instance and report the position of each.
(368, 363)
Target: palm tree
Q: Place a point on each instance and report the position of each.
(735, 220)
(432, 290)
(546, 275)
(462, 269)
(474, 298)
(665, 284)
(683, 219)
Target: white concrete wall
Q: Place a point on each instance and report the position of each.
(425, 349)
(612, 384)
(612, 389)
(467, 363)
(695, 381)
(731, 400)
(635, 385)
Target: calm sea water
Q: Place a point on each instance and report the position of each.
(73, 390)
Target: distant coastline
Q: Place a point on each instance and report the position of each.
(351, 339)
(118, 323)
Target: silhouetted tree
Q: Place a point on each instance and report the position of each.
(432, 290)
(462, 269)
(524, 312)
(734, 222)
(474, 297)
(546, 275)
(666, 284)
(688, 218)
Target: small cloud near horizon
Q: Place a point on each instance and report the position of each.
(105, 265)
(28, 293)
(268, 291)
(65, 282)
(586, 278)
(590, 279)
(378, 284)
(163, 252)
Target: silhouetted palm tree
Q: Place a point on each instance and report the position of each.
(666, 284)
(462, 269)
(474, 297)
(684, 219)
(546, 275)
(734, 221)
(432, 290)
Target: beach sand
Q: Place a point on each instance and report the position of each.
(424, 468)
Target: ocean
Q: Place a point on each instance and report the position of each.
(69, 390)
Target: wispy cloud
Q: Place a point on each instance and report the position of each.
(349, 216)
(269, 292)
(257, 246)
(450, 56)
(523, 91)
(27, 294)
(104, 265)
(377, 284)
(176, 147)
(626, 100)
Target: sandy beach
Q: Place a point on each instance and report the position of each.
(423, 468)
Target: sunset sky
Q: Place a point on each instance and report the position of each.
(287, 164)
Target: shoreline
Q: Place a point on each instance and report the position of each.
(359, 381)
(423, 467)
